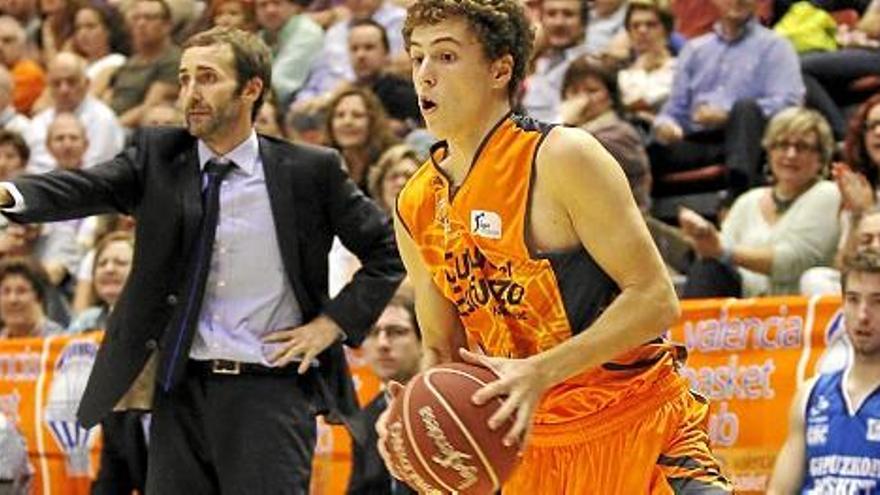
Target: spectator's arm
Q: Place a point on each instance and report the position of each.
(677, 108)
(159, 92)
(291, 65)
(783, 84)
(870, 21)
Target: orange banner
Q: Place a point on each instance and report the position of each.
(41, 382)
(748, 356)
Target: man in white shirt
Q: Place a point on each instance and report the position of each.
(68, 86)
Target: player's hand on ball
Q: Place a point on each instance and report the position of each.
(394, 390)
(522, 384)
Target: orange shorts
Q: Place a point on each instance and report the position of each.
(654, 444)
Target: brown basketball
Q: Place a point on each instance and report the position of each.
(439, 440)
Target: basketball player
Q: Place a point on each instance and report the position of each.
(523, 241)
(833, 443)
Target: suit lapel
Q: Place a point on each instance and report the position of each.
(190, 195)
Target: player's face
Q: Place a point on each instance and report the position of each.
(861, 308)
(208, 88)
(392, 347)
(451, 75)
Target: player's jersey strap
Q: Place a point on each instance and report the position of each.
(842, 439)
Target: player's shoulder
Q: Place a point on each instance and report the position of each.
(569, 149)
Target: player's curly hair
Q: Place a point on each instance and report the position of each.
(500, 25)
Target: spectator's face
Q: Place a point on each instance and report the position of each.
(111, 270)
(67, 143)
(11, 164)
(366, 52)
(362, 9)
(872, 135)
(267, 121)
(868, 234)
(351, 123)
(599, 99)
(231, 14)
(51, 6)
(646, 31)
(795, 159)
(272, 14)
(149, 24)
(68, 85)
(19, 304)
(394, 180)
(90, 35)
(208, 91)
(392, 347)
(735, 11)
(861, 310)
(562, 22)
(19, 9)
(11, 45)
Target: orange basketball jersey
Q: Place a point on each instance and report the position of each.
(514, 302)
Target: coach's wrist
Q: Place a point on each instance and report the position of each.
(6, 199)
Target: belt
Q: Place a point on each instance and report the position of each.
(224, 367)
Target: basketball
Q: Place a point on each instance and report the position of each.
(440, 442)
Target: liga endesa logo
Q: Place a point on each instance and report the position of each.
(72, 371)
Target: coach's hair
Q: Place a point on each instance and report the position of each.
(252, 57)
(861, 261)
(500, 25)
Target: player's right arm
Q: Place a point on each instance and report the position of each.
(788, 473)
(442, 330)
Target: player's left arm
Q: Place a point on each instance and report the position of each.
(587, 184)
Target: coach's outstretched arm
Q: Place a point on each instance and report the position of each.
(788, 473)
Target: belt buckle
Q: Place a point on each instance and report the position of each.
(223, 367)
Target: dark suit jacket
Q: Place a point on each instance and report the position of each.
(157, 180)
(369, 476)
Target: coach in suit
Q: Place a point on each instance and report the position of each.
(228, 287)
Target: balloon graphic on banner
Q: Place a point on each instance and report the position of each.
(72, 371)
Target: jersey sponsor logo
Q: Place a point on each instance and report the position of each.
(817, 434)
(486, 224)
(818, 410)
(873, 433)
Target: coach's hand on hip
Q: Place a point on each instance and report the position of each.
(521, 384)
(302, 343)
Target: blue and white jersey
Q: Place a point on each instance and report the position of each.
(842, 439)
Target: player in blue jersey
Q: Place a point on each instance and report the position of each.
(833, 443)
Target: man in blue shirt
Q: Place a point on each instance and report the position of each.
(833, 444)
(727, 84)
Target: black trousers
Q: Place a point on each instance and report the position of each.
(827, 76)
(711, 278)
(737, 146)
(233, 434)
(123, 455)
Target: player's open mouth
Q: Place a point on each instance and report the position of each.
(427, 105)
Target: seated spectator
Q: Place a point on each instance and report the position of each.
(393, 350)
(14, 153)
(67, 142)
(306, 125)
(332, 67)
(295, 40)
(28, 78)
(68, 86)
(368, 50)
(56, 28)
(237, 14)
(23, 285)
(562, 25)
(390, 174)
(828, 75)
(358, 127)
(113, 255)
(100, 38)
(862, 233)
(163, 114)
(92, 230)
(149, 75)
(716, 111)
(775, 233)
(10, 119)
(646, 83)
